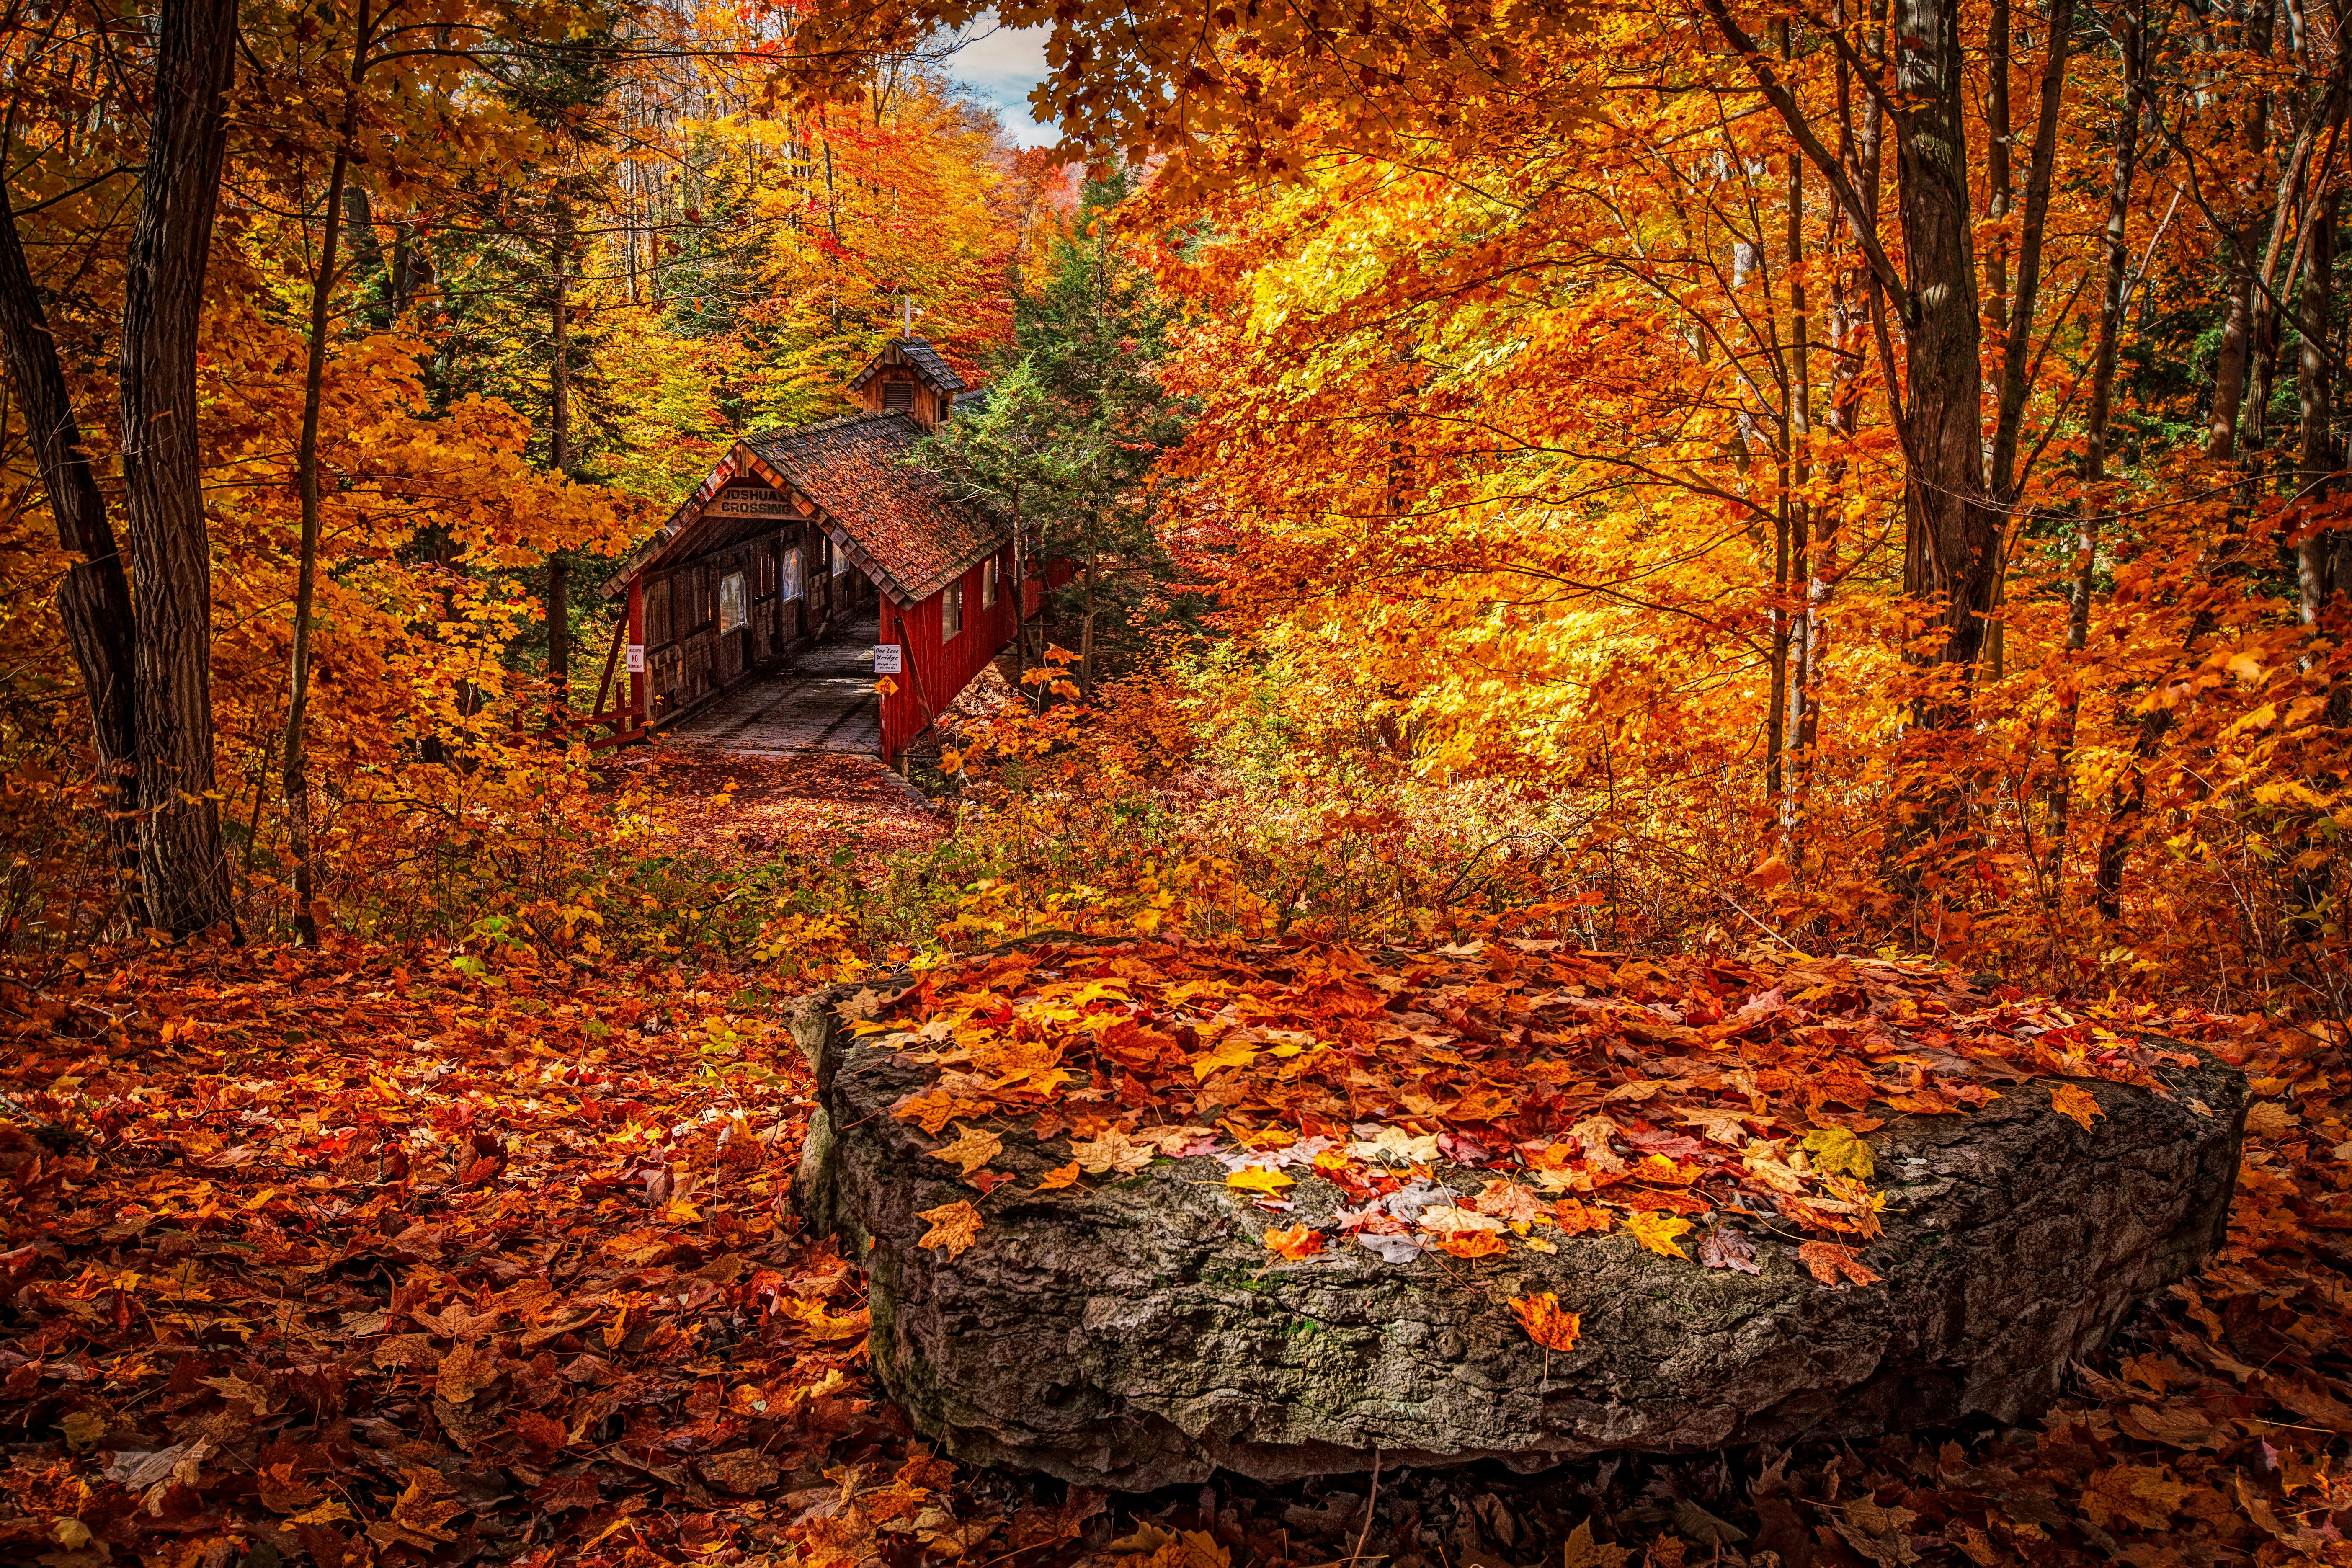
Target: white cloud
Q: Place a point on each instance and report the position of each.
(1001, 65)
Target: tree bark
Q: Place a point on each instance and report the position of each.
(2313, 884)
(2315, 395)
(181, 858)
(2018, 334)
(1796, 640)
(94, 596)
(2230, 360)
(559, 458)
(1952, 539)
(2059, 799)
(296, 771)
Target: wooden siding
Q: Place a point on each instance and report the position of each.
(687, 658)
(935, 669)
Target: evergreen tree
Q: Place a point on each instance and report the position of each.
(1066, 449)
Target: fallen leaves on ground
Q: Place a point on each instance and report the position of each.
(743, 806)
(364, 1263)
(351, 1257)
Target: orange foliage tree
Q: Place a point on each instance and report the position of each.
(1822, 474)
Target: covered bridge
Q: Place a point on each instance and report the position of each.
(798, 536)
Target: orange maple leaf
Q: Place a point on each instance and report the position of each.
(1300, 1241)
(1574, 1218)
(1508, 1201)
(1832, 1264)
(1474, 1244)
(1546, 1323)
(2069, 1101)
(1053, 1181)
(954, 1227)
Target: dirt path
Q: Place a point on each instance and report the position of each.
(740, 806)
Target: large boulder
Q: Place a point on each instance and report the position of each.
(1136, 1331)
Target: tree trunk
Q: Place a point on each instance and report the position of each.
(1952, 539)
(298, 704)
(2312, 883)
(94, 596)
(296, 771)
(1086, 631)
(1796, 640)
(559, 460)
(2315, 397)
(180, 853)
(2059, 797)
(2010, 404)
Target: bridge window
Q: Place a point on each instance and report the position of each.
(730, 603)
(952, 610)
(988, 583)
(791, 574)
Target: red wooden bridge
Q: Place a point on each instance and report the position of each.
(800, 539)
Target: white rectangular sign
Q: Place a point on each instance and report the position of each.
(637, 659)
(886, 659)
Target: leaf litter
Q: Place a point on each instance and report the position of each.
(341, 1259)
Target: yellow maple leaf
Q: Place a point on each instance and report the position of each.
(970, 1150)
(2069, 1101)
(954, 1227)
(1257, 1179)
(1835, 1149)
(1053, 1180)
(1232, 1053)
(1657, 1232)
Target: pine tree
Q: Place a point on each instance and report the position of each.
(1066, 449)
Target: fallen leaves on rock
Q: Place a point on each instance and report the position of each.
(953, 1226)
(1544, 1322)
(1297, 1242)
(1555, 1092)
(1834, 1265)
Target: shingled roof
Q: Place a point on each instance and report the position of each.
(897, 522)
(918, 355)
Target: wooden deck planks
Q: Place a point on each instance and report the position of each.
(824, 701)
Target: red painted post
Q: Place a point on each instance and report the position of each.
(637, 642)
